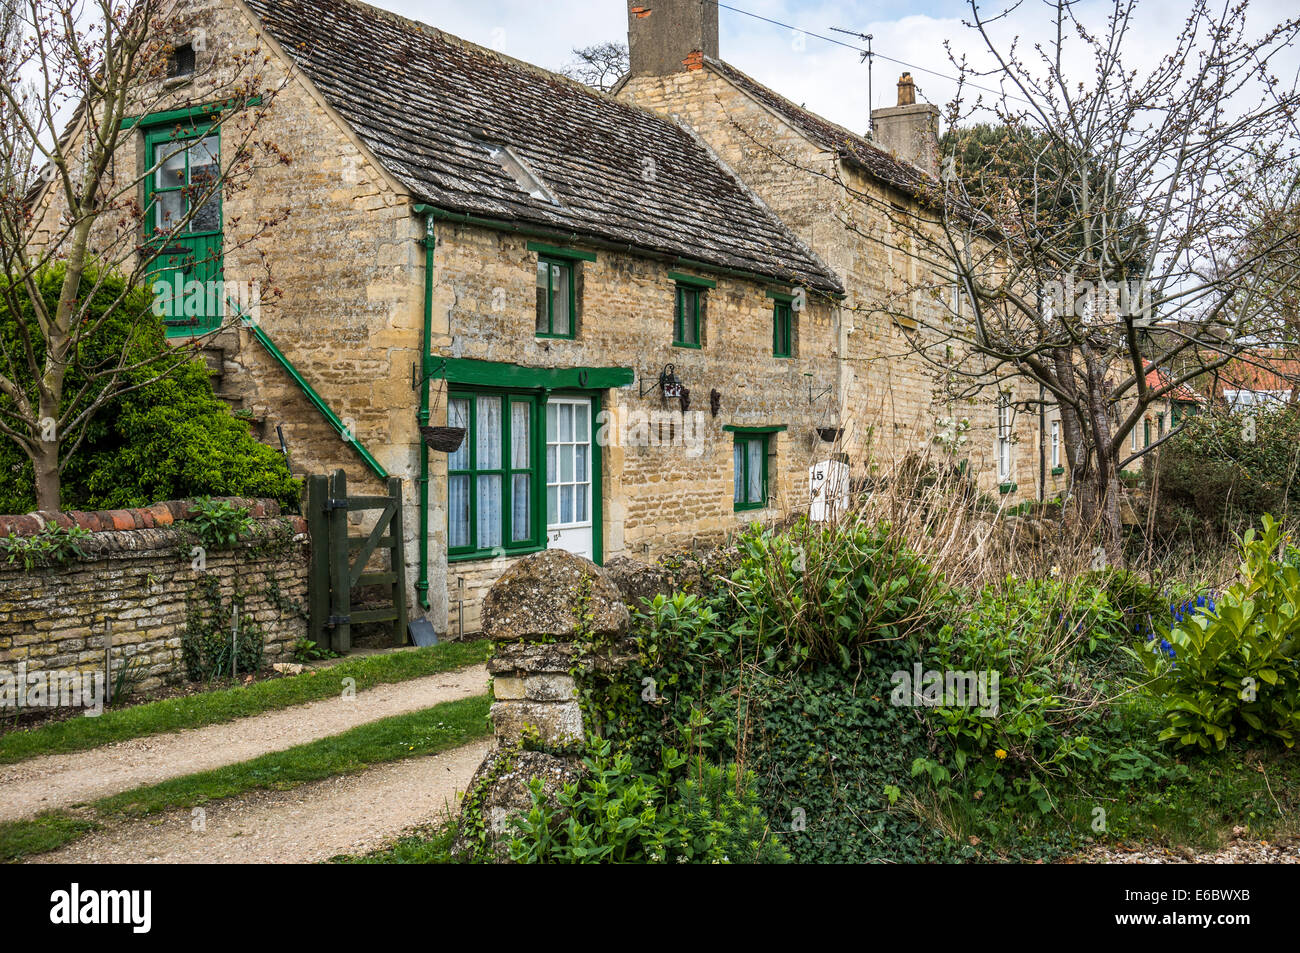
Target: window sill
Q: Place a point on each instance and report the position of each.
(747, 507)
(483, 555)
(1057, 471)
(555, 337)
(693, 347)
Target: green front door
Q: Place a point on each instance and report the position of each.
(184, 224)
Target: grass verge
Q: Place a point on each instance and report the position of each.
(435, 729)
(18, 839)
(428, 844)
(444, 726)
(222, 705)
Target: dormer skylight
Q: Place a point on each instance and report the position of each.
(518, 170)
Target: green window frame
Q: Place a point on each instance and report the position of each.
(782, 329)
(749, 481)
(497, 470)
(1146, 432)
(689, 315)
(557, 298)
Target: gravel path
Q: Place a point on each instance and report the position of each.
(350, 814)
(53, 781)
(1240, 849)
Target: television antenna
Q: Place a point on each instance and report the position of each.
(867, 57)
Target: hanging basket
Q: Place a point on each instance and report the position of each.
(446, 439)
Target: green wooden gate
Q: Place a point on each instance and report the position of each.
(338, 560)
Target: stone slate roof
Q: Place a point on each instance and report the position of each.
(849, 146)
(425, 102)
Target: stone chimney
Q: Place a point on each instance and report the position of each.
(669, 36)
(909, 130)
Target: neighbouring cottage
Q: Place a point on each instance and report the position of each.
(845, 195)
(643, 356)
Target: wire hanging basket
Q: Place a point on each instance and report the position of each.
(443, 439)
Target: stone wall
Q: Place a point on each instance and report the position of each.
(139, 578)
(672, 491)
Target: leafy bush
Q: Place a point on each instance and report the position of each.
(162, 440)
(218, 523)
(615, 815)
(1230, 669)
(51, 546)
(1225, 470)
(829, 593)
(1053, 646)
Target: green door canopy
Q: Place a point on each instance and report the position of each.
(464, 370)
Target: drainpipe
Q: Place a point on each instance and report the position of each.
(429, 242)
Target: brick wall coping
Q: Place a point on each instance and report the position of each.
(156, 516)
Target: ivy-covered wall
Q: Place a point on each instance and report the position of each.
(146, 575)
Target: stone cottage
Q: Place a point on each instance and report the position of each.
(845, 195)
(643, 356)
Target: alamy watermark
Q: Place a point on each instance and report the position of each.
(927, 688)
(621, 427)
(175, 299)
(52, 689)
(1098, 300)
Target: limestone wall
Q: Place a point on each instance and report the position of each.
(669, 485)
(138, 578)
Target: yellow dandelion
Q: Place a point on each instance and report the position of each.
(1000, 754)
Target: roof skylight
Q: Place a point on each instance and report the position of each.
(518, 170)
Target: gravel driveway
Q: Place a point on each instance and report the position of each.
(59, 780)
(350, 814)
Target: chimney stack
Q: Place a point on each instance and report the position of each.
(909, 130)
(669, 36)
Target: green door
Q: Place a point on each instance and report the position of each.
(186, 277)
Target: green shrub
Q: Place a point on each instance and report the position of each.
(219, 524)
(1232, 669)
(51, 546)
(1053, 647)
(162, 440)
(615, 815)
(831, 593)
(824, 744)
(1225, 470)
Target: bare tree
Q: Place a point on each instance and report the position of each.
(94, 68)
(599, 66)
(1115, 226)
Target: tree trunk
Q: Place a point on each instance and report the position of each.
(48, 479)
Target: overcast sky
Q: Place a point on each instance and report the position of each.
(826, 78)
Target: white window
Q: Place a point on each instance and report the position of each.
(1056, 443)
(1004, 437)
(1133, 439)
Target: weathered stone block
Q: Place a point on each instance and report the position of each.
(550, 688)
(554, 594)
(554, 724)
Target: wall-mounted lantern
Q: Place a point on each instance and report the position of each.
(670, 387)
